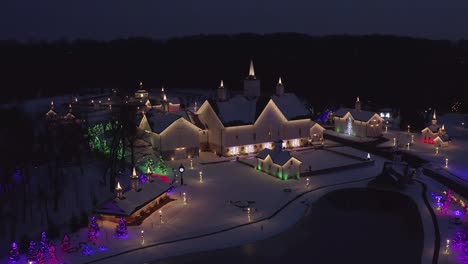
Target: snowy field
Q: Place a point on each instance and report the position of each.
(456, 152)
(208, 209)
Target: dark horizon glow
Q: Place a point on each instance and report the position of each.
(109, 19)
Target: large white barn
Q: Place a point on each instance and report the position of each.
(357, 122)
(242, 124)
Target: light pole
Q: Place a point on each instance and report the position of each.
(181, 170)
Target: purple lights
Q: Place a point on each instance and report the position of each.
(457, 213)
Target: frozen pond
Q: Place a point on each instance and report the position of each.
(344, 226)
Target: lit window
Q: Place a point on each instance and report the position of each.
(250, 149)
(382, 115)
(295, 143)
(387, 115)
(235, 150)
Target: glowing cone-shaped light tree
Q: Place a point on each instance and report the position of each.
(44, 242)
(66, 243)
(13, 254)
(94, 224)
(121, 228)
(31, 255)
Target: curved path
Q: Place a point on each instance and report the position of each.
(435, 257)
(229, 228)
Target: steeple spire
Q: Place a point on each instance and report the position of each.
(141, 85)
(52, 104)
(357, 104)
(251, 70)
(434, 116)
(221, 85)
(279, 88)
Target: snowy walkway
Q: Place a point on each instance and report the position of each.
(208, 213)
(235, 235)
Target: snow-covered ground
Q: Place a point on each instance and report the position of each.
(208, 209)
(456, 153)
(347, 137)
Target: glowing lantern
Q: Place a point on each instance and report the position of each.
(446, 163)
(134, 174)
(119, 191)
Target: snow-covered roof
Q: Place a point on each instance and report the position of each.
(237, 108)
(357, 115)
(434, 128)
(134, 200)
(443, 138)
(278, 157)
(290, 105)
(194, 119)
(160, 121)
(69, 116)
(51, 114)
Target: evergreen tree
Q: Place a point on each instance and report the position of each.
(32, 251)
(162, 166)
(44, 242)
(41, 257)
(14, 252)
(66, 243)
(52, 254)
(150, 164)
(94, 224)
(92, 235)
(121, 229)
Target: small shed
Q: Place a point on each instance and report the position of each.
(278, 163)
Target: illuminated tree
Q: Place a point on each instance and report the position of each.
(32, 251)
(66, 243)
(14, 252)
(121, 229)
(162, 166)
(94, 224)
(150, 164)
(44, 242)
(349, 127)
(92, 235)
(52, 254)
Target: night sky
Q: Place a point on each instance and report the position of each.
(109, 19)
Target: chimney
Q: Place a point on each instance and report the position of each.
(279, 88)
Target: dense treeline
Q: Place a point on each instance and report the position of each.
(398, 71)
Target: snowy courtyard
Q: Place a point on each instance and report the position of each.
(214, 202)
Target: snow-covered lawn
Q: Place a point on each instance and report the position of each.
(348, 137)
(208, 209)
(456, 152)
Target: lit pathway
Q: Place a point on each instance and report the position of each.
(278, 217)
